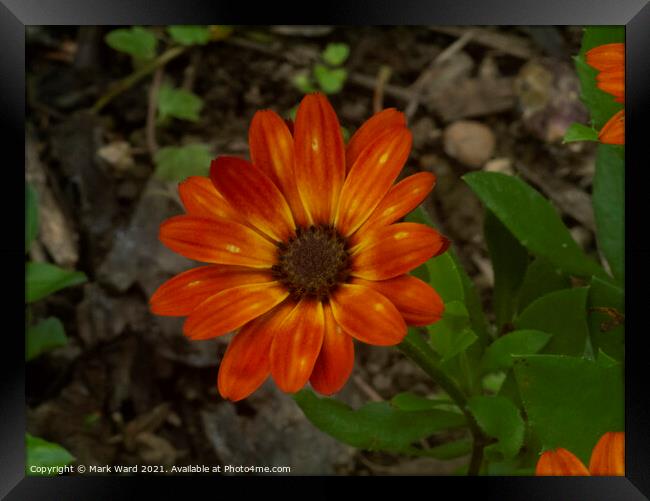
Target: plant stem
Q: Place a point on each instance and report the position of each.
(136, 76)
(419, 352)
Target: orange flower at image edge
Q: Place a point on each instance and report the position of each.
(607, 459)
(305, 251)
(609, 60)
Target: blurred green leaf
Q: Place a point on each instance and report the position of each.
(499, 418)
(579, 132)
(609, 205)
(532, 220)
(523, 342)
(136, 41)
(570, 402)
(452, 334)
(43, 337)
(31, 215)
(190, 35)
(175, 163)
(540, 279)
(330, 80)
(43, 453)
(408, 401)
(303, 83)
(336, 54)
(178, 103)
(606, 321)
(509, 261)
(449, 450)
(563, 314)
(601, 105)
(376, 425)
(43, 279)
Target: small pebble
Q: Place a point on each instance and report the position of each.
(471, 143)
(502, 164)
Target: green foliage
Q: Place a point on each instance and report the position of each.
(175, 163)
(43, 337)
(43, 279)
(304, 83)
(328, 75)
(43, 453)
(570, 402)
(605, 318)
(31, 215)
(540, 279)
(498, 356)
(499, 418)
(563, 314)
(376, 425)
(532, 220)
(602, 106)
(609, 205)
(579, 132)
(408, 401)
(178, 103)
(189, 35)
(330, 80)
(335, 54)
(452, 334)
(135, 41)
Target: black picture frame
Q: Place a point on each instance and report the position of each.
(634, 14)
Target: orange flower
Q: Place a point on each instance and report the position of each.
(304, 249)
(607, 459)
(609, 60)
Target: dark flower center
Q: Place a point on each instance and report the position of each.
(313, 263)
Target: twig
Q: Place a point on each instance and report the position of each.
(367, 389)
(508, 44)
(152, 108)
(418, 86)
(136, 76)
(378, 97)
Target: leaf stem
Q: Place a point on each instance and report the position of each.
(415, 348)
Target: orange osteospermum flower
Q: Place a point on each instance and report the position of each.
(607, 459)
(304, 249)
(609, 60)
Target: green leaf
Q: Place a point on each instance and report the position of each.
(541, 278)
(31, 215)
(43, 453)
(563, 314)
(579, 132)
(606, 310)
(303, 83)
(570, 402)
(330, 80)
(450, 450)
(335, 54)
(452, 334)
(499, 418)
(408, 401)
(609, 206)
(175, 163)
(43, 337)
(509, 261)
(136, 41)
(532, 220)
(523, 342)
(376, 425)
(190, 35)
(43, 279)
(601, 105)
(178, 103)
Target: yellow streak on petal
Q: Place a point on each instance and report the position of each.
(233, 248)
(378, 307)
(383, 159)
(194, 283)
(314, 143)
(400, 235)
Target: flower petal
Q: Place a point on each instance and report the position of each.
(389, 251)
(369, 130)
(251, 192)
(560, 462)
(336, 359)
(613, 132)
(271, 148)
(296, 344)
(232, 308)
(370, 178)
(367, 315)
(607, 57)
(179, 295)
(401, 199)
(320, 157)
(416, 300)
(246, 364)
(612, 82)
(217, 241)
(608, 457)
(200, 198)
